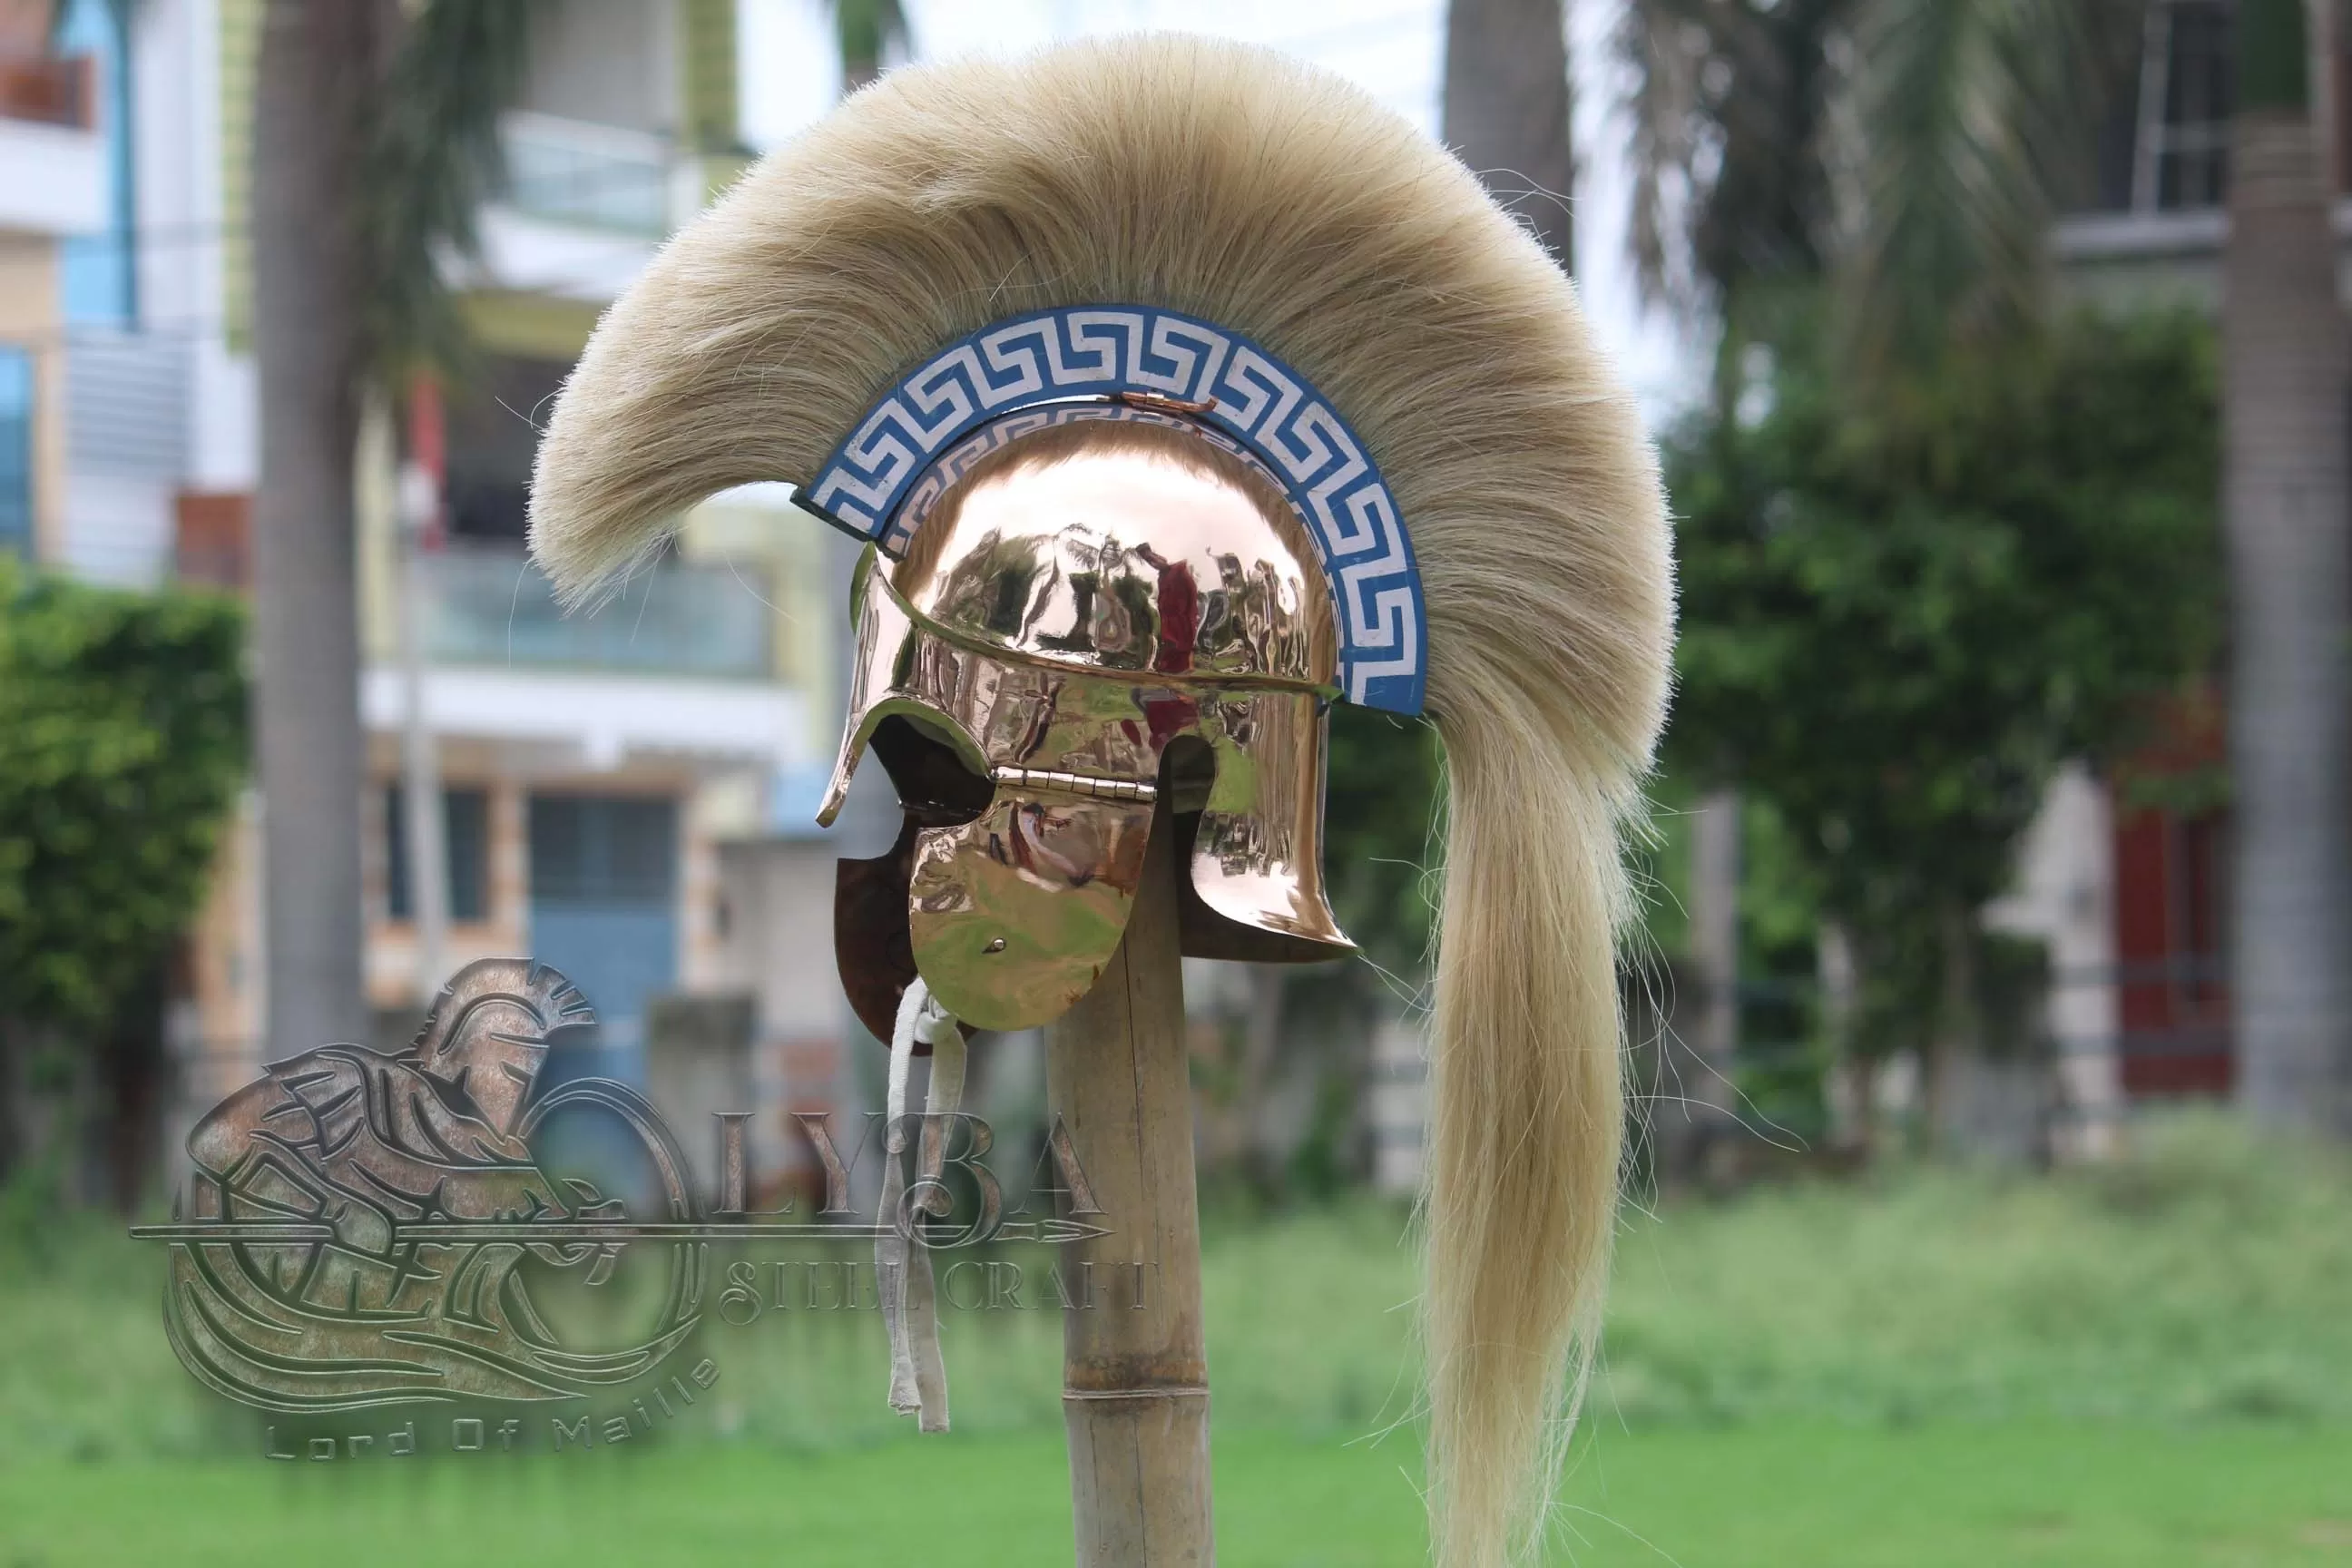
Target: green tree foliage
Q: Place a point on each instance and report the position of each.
(864, 31)
(1900, 619)
(121, 744)
(1383, 835)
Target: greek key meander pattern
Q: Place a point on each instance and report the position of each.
(1270, 409)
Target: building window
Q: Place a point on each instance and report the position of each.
(15, 450)
(493, 435)
(100, 283)
(2193, 150)
(2176, 120)
(464, 830)
(2165, 142)
(603, 849)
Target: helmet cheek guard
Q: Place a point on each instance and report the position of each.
(1091, 619)
(1255, 892)
(1013, 915)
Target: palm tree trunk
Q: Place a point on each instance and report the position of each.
(1848, 1076)
(1696, 1096)
(1506, 109)
(318, 67)
(2284, 376)
(1956, 1040)
(1714, 952)
(864, 32)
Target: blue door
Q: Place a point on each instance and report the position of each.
(603, 910)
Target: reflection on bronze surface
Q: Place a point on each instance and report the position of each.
(1120, 560)
(1083, 601)
(1022, 908)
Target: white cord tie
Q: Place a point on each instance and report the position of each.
(902, 1269)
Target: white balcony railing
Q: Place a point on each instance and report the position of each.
(593, 177)
(490, 607)
(53, 178)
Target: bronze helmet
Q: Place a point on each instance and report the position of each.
(1093, 603)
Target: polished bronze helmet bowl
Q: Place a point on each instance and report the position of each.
(1104, 609)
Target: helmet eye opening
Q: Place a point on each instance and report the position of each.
(937, 785)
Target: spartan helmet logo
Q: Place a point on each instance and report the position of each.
(1098, 604)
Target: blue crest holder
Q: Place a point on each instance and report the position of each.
(1236, 389)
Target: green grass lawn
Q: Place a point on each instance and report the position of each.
(1747, 1496)
(2147, 1363)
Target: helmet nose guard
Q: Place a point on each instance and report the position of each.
(1082, 627)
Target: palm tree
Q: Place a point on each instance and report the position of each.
(866, 32)
(2284, 370)
(1506, 108)
(1732, 182)
(1743, 85)
(1908, 154)
(373, 137)
(1914, 151)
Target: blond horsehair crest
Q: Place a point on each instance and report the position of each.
(1182, 390)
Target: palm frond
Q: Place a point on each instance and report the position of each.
(1728, 102)
(1971, 125)
(433, 158)
(1666, 45)
(1768, 219)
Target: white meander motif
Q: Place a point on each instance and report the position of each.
(1270, 411)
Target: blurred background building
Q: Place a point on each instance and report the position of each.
(621, 789)
(626, 792)
(2127, 877)
(2142, 1360)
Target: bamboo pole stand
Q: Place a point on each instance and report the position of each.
(1135, 1375)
